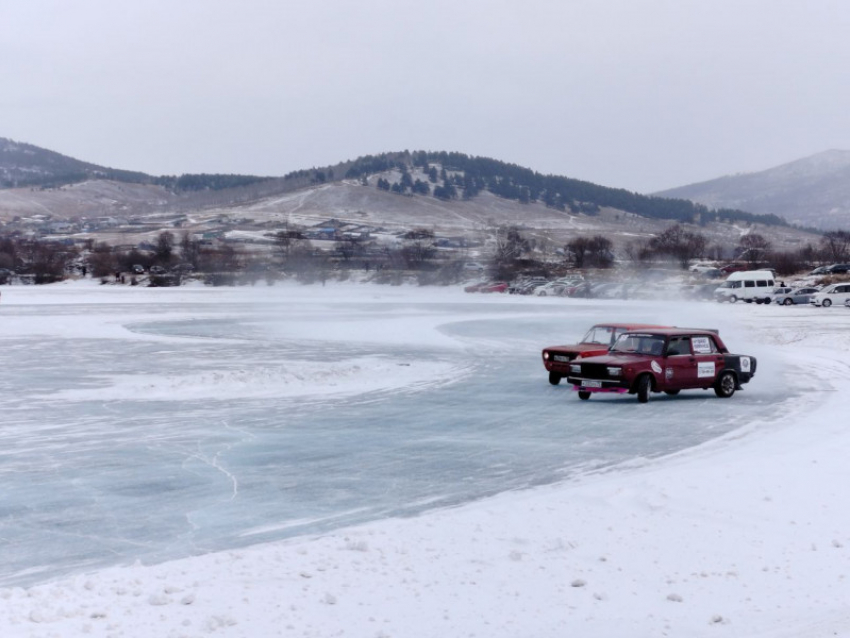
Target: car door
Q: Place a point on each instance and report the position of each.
(708, 360)
(693, 361)
(804, 295)
(679, 364)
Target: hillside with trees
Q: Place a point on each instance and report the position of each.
(448, 176)
(456, 175)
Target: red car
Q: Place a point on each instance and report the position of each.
(556, 359)
(497, 286)
(663, 360)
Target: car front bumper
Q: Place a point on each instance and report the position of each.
(598, 385)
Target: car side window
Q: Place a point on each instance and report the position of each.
(679, 345)
(704, 344)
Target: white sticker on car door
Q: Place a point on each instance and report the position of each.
(705, 369)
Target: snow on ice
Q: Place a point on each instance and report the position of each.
(745, 534)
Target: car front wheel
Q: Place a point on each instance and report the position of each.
(826, 303)
(733, 299)
(725, 386)
(644, 387)
(787, 302)
(554, 378)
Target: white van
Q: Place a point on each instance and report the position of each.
(747, 285)
(836, 294)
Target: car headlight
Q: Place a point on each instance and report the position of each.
(546, 356)
(615, 371)
(575, 369)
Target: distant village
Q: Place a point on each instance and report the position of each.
(107, 246)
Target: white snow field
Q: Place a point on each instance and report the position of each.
(355, 460)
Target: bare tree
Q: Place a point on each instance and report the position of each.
(591, 251)
(190, 250)
(637, 251)
(164, 247)
(418, 247)
(679, 245)
(510, 245)
(102, 260)
(288, 242)
(753, 248)
(836, 246)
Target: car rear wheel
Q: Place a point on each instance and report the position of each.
(554, 378)
(725, 386)
(788, 302)
(826, 303)
(583, 395)
(644, 387)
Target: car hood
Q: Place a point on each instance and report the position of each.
(619, 359)
(578, 348)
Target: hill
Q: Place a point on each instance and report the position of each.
(23, 165)
(449, 193)
(813, 191)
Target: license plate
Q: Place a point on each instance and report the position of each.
(592, 384)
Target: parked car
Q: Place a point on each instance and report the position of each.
(552, 289)
(158, 270)
(795, 296)
(599, 338)
(476, 287)
(777, 290)
(820, 270)
(527, 286)
(838, 269)
(663, 360)
(834, 294)
(701, 268)
(495, 286)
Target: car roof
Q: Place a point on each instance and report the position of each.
(676, 332)
(629, 326)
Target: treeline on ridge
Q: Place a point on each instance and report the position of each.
(510, 181)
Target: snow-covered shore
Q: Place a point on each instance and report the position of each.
(747, 535)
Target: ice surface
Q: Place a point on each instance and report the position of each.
(154, 429)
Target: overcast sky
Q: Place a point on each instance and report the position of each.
(638, 94)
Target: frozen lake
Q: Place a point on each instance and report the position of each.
(154, 424)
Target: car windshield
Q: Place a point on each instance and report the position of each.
(603, 335)
(639, 343)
